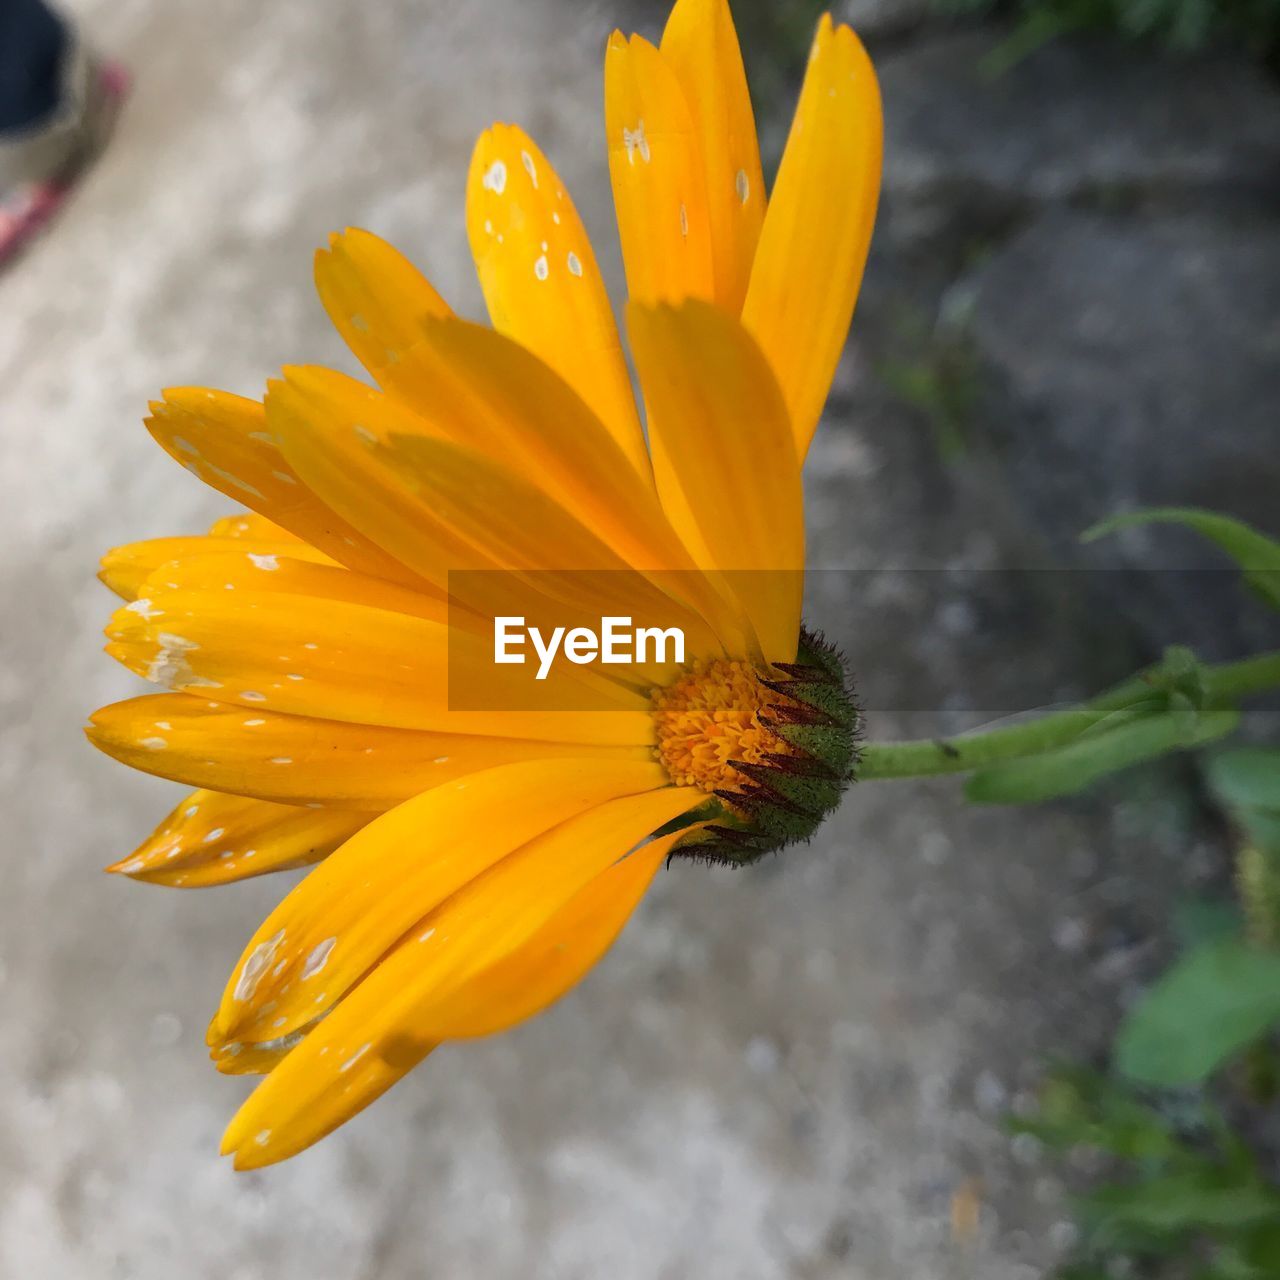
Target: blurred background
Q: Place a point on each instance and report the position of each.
(801, 1071)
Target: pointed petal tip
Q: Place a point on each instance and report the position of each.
(249, 1158)
(180, 396)
(230, 1142)
(248, 1152)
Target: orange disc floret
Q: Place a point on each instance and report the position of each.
(708, 723)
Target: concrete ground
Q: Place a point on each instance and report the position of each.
(794, 1072)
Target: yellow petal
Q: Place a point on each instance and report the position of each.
(556, 958)
(296, 760)
(211, 839)
(124, 569)
(342, 918)
(541, 282)
(335, 660)
(225, 441)
(520, 985)
(481, 445)
(282, 570)
(375, 296)
(327, 424)
(813, 245)
(484, 391)
(659, 191)
(565, 567)
(509, 519)
(724, 458)
(248, 524)
(379, 1032)
(701, 46)
(240, 1058)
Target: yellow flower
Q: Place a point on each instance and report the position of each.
(474, 864)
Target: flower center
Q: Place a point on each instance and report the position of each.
(708, 723)
(774, 750)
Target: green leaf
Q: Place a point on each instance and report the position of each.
(1259, 1252)
(1181, 1202)
(1246, 777)
(1072, 768)
(1247, 782)
(1262, 826)
(1214, 1002)
(1079, 1107)
(1197, 920)
(1257, 555)
(1164, 1212)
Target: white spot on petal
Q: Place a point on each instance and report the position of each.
(235, 480)
(575, 266)
(258, 962)
(527, 160)
(170, 666)
(742, 185)
(541, 269)
(317, 959)
(495, 177)
(636, 143)
(268, 562)
(355, 1057)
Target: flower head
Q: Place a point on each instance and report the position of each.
(473, 864)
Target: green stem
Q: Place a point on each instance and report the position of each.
(1239, 679)
(1222, 686)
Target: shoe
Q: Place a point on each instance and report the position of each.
(40, 167)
